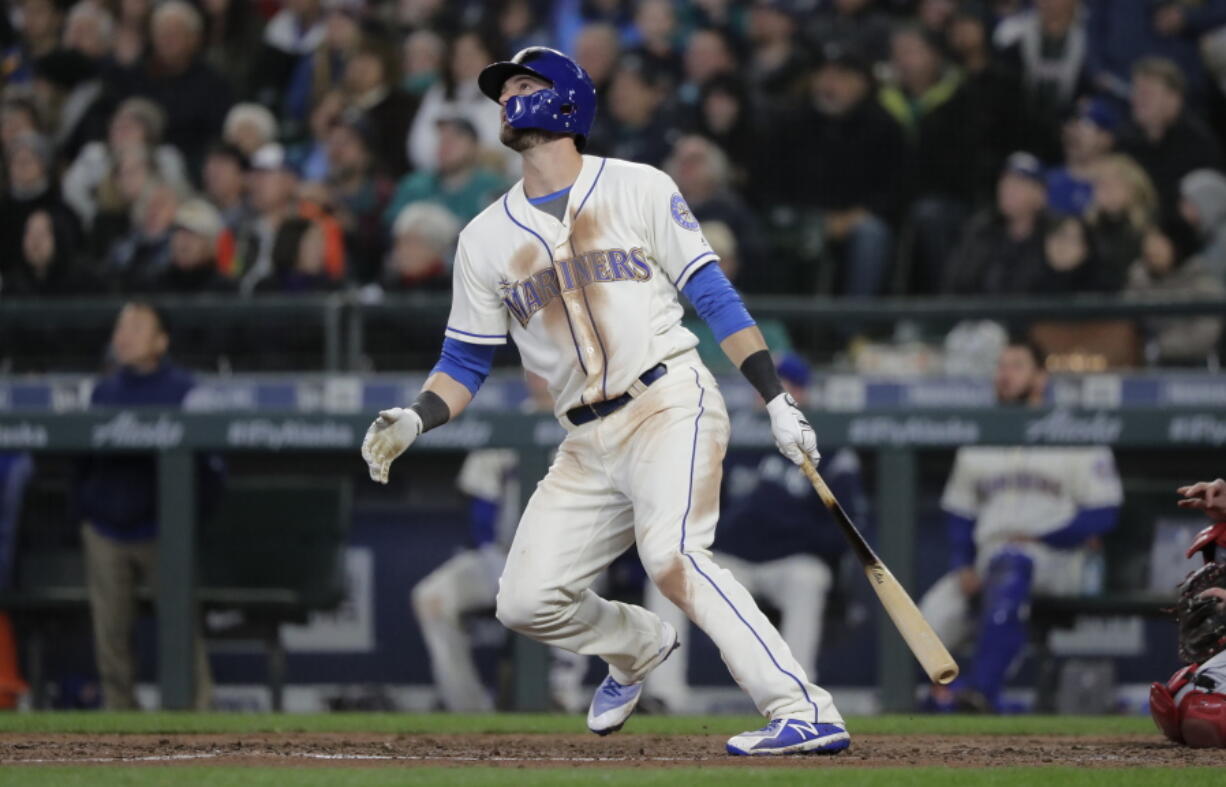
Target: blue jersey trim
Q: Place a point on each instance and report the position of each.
(478, 335)
(717, 302)
(690, 264)
(548, 197)
(591, 188)
(466, 363)
(549, 253)
(702, 393)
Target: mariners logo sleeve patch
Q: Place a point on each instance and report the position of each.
(682, 214)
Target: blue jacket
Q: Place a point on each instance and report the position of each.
(117, 493)
(770, 511)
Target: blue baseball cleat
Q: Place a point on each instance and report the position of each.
(791, 736)
(614, 702)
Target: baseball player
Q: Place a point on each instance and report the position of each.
(580, 263)
(468, 582)
(1019, 520)
(789, 557)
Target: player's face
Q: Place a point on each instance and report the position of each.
(1017, 376)
(138, 338)
(520, 139)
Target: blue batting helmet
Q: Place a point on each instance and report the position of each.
(567, 106)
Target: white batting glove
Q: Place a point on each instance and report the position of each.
(793, 434)
(387, 438)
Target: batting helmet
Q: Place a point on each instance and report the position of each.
(567, 106)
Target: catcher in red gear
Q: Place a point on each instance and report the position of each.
(1190, 708)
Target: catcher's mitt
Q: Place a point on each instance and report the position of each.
(1202, 621)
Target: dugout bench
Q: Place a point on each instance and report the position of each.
(273, 551)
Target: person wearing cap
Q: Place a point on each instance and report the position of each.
(193, 253)
(790, 558)
(857, 24)
(1167, 139)
(1001, 251)
(224, 179)
(272, 190)
(458, 180)
(847, 163)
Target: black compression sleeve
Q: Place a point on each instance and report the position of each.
(759, 370)
(432, 410)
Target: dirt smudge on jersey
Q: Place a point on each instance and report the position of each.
(586, 303)
(674, 582)
(524, 261)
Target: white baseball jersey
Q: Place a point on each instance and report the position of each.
(1028, 491)
(591, 301)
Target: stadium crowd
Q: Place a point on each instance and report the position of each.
(864, 147)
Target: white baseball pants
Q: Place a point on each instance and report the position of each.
(649, 475)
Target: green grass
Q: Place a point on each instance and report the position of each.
(526, 723)
(523, 723)
(709, 777)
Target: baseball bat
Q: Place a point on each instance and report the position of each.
(915, 630)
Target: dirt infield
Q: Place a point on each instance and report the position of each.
(868, 751)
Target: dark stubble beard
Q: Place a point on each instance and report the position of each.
(521, 139)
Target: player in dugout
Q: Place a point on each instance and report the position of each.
(1021, 520)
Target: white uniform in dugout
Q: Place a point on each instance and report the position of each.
(605, 282)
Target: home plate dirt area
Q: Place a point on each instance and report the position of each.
(578, 750)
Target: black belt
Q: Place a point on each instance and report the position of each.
(590, 412)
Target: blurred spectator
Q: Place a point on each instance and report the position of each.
(569, 18)
(30, 188)
(40, 22)
(1203, 206)
(194, 97)
(424, 56)
(232, 30)
(323, 70)
(72, 95)
(702, 172)
(423, 241)
(1001, 252)
(775, 66)
(48, 266)
(1157, 273)
(708, 55)
(272, 188)
(249, 127)
(1049, 46)
(138, 123)
(298, 260)
(310, 158)
(1070, 264)
(132, 32)
(655, 21)
(1123, 207)
(358, 197)
(724, 116)
(789, 558)
(457, 181)
(1167, 140)
(845, 157)
(857, 24)
(457, 95)
(597, 50)
(387, 111)
(295, 31)
(192, 269)
(925, 95)
(89, 29)
(141, 255)
(18, 115)
(1021, 520)
(1087, 138)
(225, 174)
(638, 126)
(117, 501)
(516, 23)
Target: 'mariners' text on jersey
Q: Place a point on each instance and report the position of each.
(526, 297)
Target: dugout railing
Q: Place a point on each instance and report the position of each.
(351, 332)
(895, 438)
